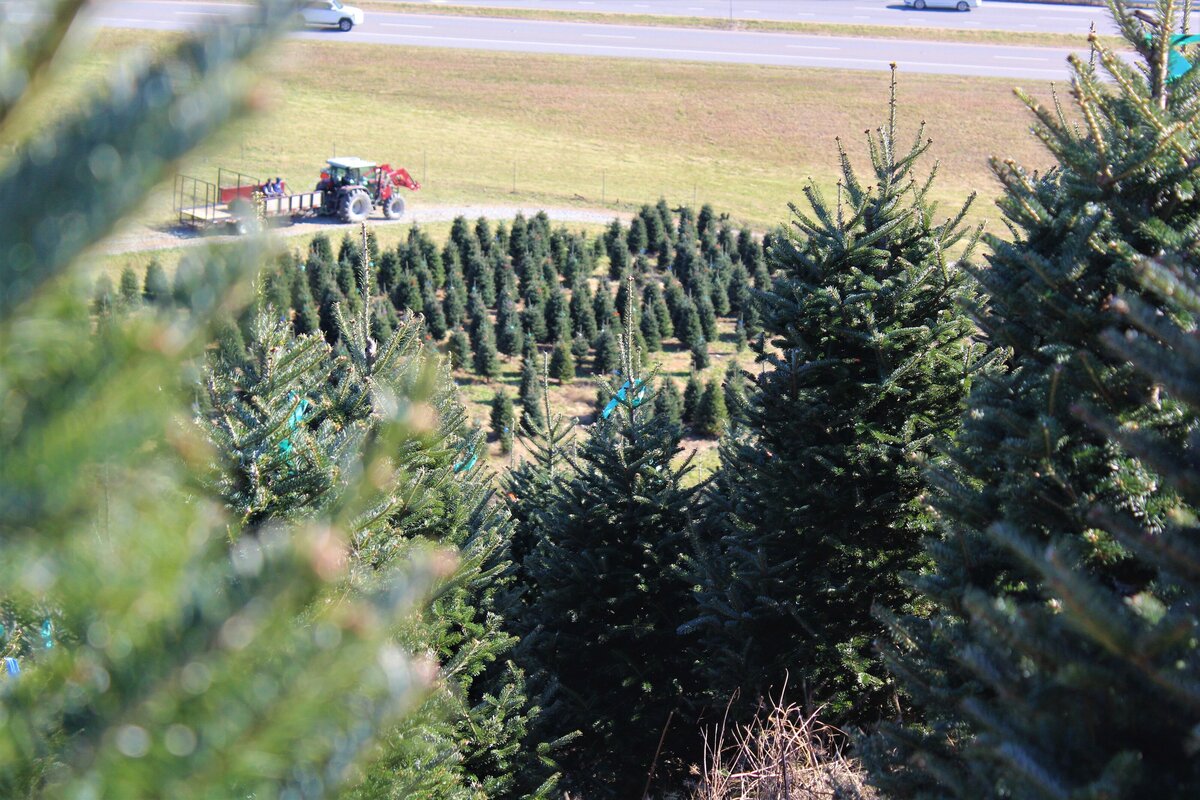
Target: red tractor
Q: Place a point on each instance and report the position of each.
(352, 188)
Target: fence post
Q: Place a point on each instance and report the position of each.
(603, 186)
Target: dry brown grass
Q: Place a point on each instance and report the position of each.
(785, 754)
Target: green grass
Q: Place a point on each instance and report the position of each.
(1031, 38)
(610, 133)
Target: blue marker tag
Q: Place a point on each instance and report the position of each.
(12, 667)
(294, 420)
(612, 404)
(48, 634)
(467, 463)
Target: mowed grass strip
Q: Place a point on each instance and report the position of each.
(480, 127)
(916, 33)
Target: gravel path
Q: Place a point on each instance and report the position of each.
(147, 238)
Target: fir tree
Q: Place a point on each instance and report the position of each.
(558, 316)
(868, 368)
(583, 315)
(131, 289)
(509, 333)
(156, 290)
(652, 298)
(305, 318)
(692, 392)
(666, 218)
(406, 294)
(580, 347)
(669, 405)
(739, 288)
(618, 261)
(486, 360)
(562, 363)
(1049, 663)
(688, 327)
(454, 307)
(734, 388)
(533, 318)
(604, 312)
(712, 415)
(699, 351)
(605, 585)
(531, 394)
(458, 349)
(435, 318)
(503, 419)
(653, 225)
(389, 271)
(708, 317)
(607, 356)
(648, 324)
(638, 238)
(484, 235)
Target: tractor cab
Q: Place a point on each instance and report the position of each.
(347, 172)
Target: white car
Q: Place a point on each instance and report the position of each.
(332, 12)
(961, 5)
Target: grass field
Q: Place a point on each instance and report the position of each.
(612, 133)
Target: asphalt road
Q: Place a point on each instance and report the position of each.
(619, 41)
(992, 15)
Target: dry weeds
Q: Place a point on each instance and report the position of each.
(785, 754)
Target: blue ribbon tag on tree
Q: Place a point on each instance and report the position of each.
(48, 634)
(12, 667)
(293, 422)
(469, 459)
(612, 404)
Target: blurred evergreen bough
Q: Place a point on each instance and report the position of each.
(198, 655)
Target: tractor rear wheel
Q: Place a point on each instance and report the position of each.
(393, 208)
(355, 206)
(344, 24)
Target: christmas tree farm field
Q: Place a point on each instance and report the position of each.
(562, 131)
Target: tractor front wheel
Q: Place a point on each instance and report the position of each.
(355, 206)
(393, 208)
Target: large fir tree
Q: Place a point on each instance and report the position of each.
(1059, 657)
(605, 595)
(817, 502)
